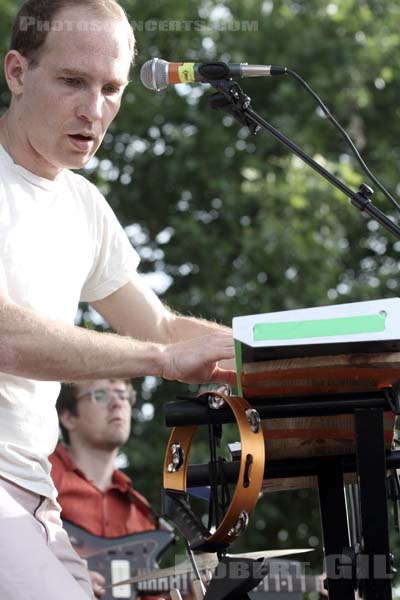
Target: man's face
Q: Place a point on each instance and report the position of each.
(70, 98)
(104, 416)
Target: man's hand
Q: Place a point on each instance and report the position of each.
(196, 360)
(98, 582)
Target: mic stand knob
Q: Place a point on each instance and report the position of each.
(231, 99)
(363, 197)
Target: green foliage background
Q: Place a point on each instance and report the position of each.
(235, 222)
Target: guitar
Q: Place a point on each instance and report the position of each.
(134, 558)
(119, 558)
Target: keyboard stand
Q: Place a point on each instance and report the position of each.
(335, 529)
(365, 565)
(344, 564)
(371, 467)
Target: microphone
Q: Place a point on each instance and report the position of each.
(157, 74)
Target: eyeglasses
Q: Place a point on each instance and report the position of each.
(104, 397)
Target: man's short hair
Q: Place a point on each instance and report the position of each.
(37, 17)
(68, 400)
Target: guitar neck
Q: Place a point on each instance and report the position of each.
(271, 583)
(158, 585)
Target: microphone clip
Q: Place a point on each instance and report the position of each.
(231, 99)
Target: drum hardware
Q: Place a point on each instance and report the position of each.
(216, 402)
(235, 577)
(253, 418)
(248, 485)
(360, 405)
(177, 456)
(392, 394)
(240, 525)
(198, 587)
(393, 493)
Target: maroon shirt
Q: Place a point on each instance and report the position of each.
(117, 511)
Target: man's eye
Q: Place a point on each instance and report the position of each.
(72, 81)
(110, 90)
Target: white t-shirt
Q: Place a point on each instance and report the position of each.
(60, 243)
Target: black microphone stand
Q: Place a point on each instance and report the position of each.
(231, 98)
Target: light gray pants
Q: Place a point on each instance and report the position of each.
(37, 561)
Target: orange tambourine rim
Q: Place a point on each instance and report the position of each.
(251, 472)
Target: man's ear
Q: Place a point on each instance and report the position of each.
(15, 67)
(67, 420)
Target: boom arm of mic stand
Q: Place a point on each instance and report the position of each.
(231, 98)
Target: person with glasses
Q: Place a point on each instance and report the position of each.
(95, 420)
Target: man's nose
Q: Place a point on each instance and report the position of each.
(90, 107)
(115, 399)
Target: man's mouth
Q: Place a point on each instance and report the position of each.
(81, 141)
(80, 136)
(116, 420)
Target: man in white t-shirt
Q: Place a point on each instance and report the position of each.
(60, 243)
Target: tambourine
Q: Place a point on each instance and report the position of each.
(248, 485)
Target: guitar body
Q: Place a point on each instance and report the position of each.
(135, 557)
(119, 558)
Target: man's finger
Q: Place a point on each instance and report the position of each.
(223, 376)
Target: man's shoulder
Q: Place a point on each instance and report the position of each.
(140, 501)
(85, 193)
(60, 459)
(124, 483)
(79, 182)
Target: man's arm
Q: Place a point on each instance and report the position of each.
(39, 348)
(135, 310)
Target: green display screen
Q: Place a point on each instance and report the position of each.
(288, 330)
